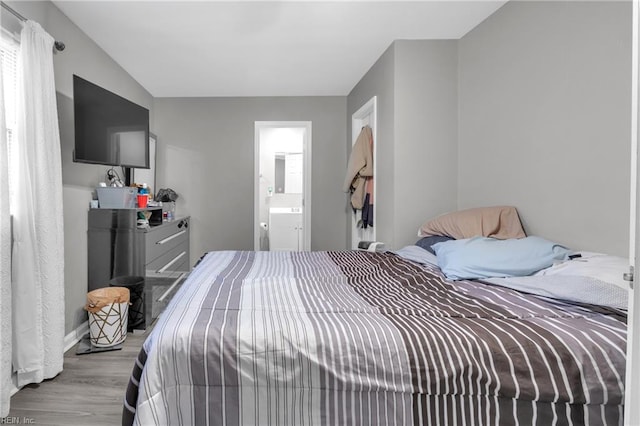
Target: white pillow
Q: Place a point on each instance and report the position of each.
(574, 288)
(603, 267)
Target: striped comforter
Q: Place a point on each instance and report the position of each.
(360, 338)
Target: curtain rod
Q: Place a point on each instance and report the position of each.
(57, 44)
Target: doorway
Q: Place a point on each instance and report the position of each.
(282, 186)
(365, 116)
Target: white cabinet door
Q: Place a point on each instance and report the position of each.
(285, 229)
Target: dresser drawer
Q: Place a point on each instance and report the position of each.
(162, 294)
(166, 263)
(164, 239)
(158, 293)
(170, 260)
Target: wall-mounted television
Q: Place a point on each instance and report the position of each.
(109, 129)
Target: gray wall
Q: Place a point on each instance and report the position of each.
(426, 134)
(545, 119)
(206, 154)
(84, 58)
(416, 86)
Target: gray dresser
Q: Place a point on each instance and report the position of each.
(160, 254)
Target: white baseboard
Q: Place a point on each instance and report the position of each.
(75, 336)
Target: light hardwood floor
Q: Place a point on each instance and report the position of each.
(89, 391)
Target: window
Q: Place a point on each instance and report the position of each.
(9, 48)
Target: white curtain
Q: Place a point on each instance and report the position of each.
(38, 249)
(5, 264)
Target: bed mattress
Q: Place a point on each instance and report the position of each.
(361, 338)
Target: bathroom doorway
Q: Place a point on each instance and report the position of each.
(282, 186)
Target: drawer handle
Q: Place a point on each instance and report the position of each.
(168, 265)
(175, 283)
(171, 237)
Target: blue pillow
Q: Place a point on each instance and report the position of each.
(482, 257)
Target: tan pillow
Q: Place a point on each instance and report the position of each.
(501, 222)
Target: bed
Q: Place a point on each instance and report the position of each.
(362, 338)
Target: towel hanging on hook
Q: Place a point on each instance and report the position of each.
(360, 168)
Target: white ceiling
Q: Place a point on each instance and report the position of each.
(262, 48)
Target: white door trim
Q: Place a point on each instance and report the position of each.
(306, 201)
(369, 108)
(632, 378)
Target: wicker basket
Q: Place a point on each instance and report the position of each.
(108, 310)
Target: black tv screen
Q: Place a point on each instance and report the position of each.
(109, 129)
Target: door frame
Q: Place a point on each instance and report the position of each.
(306, 185)
(632, 378)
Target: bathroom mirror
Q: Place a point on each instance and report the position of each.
(288, 173)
